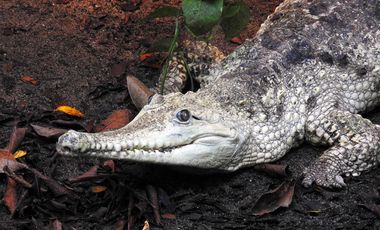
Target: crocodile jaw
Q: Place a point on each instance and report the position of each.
(200, 145)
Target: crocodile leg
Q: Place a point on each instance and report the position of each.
(355, 148)
(195, 59)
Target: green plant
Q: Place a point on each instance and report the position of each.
(200, 16)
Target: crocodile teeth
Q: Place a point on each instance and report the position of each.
(109, 146)
(117, 147)
(98, 146)
(104, 146)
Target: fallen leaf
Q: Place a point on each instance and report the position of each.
(146, 225)
(98, 189)
(69, 111)
(119, 225)
(29, 79)
(57, 225)
(109, 164)
(144, 56)
(236, 40)
(117, 119)
(138, 92)
(153, 198)
(12, 164)
(48, 131)
(89, 174)
(168, 216)
(10, 196)
(273, 169)
(16, 138)
(19, 153)
(279, 197)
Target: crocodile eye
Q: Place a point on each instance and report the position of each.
(183, 115)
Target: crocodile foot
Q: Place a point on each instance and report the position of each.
(323, 174)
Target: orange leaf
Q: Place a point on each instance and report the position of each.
(144, 56)
(168, 216)
(98, 189)
(29, 79)
(19, 153)
(117, 119)
(69, 110)
(10, 196)
(236, 40)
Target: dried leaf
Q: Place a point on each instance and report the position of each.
(169, 216)
(120, 225)
(273, 169)
(153, 198)
(139, 92)
(146, 225)
(57, 225)
(144, 56)
(117, 119)
(19, 153)
(29, 79)
(11, 163)
(85, 176)
(109, 164)
(16, 138)
(10, 196)
(48, 131)
(279, 197)
(98, 189)
(69, 111)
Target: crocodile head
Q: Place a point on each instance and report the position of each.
(175, 129)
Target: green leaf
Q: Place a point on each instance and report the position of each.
(173, 45)
(236, 18)
(230, 11)
(166, 11)
(161, 45)
(202, 15)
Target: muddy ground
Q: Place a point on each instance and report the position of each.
(76, 51)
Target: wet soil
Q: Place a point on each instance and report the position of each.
(80, 52)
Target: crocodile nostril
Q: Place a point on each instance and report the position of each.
(66, 149)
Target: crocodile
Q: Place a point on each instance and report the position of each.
(311, 70)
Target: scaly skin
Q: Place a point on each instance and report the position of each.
(311, 68)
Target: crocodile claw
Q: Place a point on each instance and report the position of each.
(324, 175)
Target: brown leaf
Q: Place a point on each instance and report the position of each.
(119, 225)
(273, 169)
(10, 196)
(57, 225)
(29, 79)
(53, 185)
(11, 164)
(153, 197)
(16, 138)
(85, 176)
(109, 164)
(139, 92)
(48, 131)
(279, 197)
(169, 216)
(117, 119)
(118, 69)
